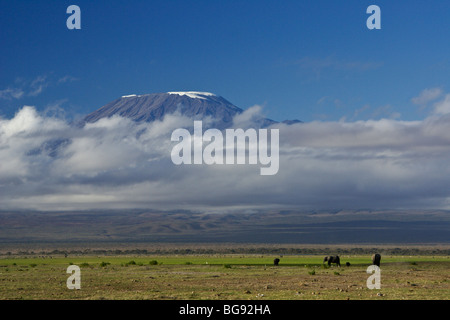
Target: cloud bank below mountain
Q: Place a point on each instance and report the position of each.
(115, 163)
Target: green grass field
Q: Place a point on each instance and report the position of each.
(224, 276)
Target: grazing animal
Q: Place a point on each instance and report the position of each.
(332, 259)
(376, 259)
(276, 261)
(347, 264)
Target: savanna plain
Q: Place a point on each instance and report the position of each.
(225, 272)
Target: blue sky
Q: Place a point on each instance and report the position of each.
(307, 60)
(376, 103)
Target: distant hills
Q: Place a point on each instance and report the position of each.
(100, 226)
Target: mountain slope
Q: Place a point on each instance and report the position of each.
(151, 107)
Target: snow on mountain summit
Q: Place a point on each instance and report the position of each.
(193, 94)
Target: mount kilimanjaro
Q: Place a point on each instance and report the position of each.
(195, 105)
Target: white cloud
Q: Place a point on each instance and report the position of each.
(248, 117)
(32, 87)
(427, 96)
(66, 78)
(318, 66)
(443, 106)
(11, 93)
(38, 85)
(48, 164)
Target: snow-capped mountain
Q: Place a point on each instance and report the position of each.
(154, 106)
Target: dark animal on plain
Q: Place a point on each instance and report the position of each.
(332, 259)
(376, 259)
(276, 261)
(347, 264)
